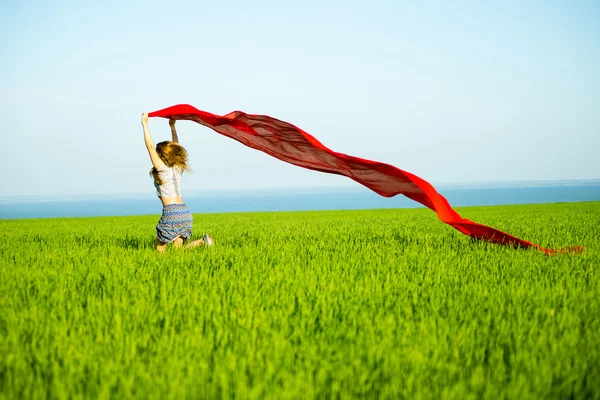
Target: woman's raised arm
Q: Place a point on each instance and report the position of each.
(156, 161)
(173, 131)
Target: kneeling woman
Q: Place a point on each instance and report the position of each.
(169, 160)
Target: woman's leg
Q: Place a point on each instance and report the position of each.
(195, 243)
(206, 240)
(178, 242)
(160, 246)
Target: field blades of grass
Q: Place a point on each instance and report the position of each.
(371, 304)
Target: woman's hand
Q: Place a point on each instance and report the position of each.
(172, 123)
(144, 118)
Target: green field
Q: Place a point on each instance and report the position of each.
(378, 304)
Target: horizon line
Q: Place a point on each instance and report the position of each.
(299, 189)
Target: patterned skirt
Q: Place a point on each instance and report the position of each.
(176, 221)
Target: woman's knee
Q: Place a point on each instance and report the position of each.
(160, 246)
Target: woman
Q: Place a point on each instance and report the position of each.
(169, 160)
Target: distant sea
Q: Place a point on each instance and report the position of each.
(296, 200)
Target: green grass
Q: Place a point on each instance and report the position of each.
(379, 304)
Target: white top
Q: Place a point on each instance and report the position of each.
(171, 178)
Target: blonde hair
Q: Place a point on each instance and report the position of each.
(173, 155)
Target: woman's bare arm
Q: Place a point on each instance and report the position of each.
(156, 161)
(173, 131)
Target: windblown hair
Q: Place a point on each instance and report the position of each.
(173, 155)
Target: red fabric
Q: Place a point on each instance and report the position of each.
(291, 144)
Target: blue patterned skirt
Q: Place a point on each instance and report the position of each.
(176, 221)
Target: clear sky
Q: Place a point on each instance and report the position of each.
(455, 92)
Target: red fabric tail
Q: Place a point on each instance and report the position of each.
(291, 144)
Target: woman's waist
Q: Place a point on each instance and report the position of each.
(167, 201)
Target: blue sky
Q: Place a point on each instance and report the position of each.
(455, 92)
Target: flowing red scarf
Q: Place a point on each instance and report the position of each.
(291, 144)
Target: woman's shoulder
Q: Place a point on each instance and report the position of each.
(162, 167)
